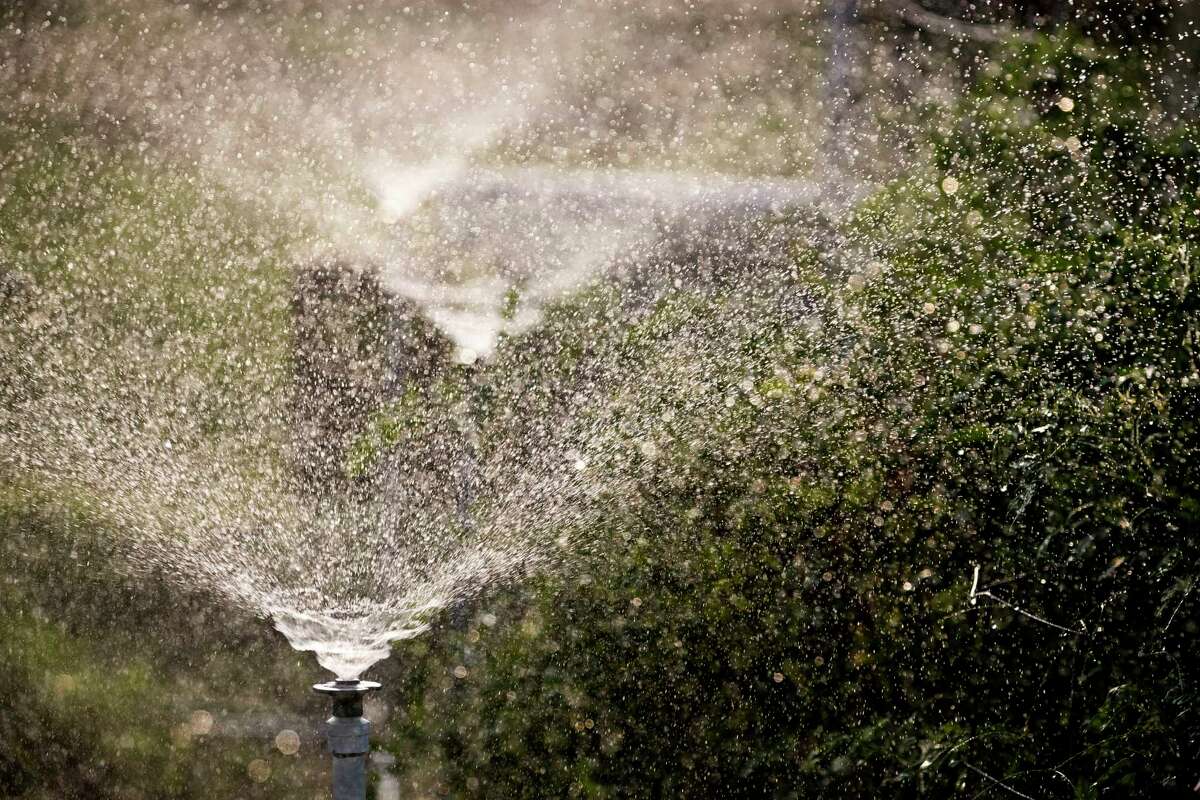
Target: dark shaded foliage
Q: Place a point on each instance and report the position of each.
(98, 682)
(1004, 390)
(356, 347)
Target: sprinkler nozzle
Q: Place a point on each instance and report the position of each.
(348, 733)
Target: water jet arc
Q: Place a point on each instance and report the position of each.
(348, 733)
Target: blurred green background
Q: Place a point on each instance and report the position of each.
(942, 544)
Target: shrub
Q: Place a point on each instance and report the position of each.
(943, 541)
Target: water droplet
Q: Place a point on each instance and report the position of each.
(201, 722)
(258, 770)
(287, 742)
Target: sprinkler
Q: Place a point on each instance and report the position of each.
(348, 733)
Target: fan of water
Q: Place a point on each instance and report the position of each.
(485, 166)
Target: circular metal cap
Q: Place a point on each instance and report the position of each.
(342, 689)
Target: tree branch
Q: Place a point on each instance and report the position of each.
(976, 593)
(918, 16)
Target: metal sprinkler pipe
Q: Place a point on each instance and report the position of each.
(348, 733)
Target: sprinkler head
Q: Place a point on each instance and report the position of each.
(348, 734)
(347, 696)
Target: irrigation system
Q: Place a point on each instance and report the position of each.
(348, 733)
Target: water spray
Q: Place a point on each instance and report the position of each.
(349, 735)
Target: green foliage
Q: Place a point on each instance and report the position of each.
(418, 415)
(1003, 389)
(99, 696)
(126, 285)
(183, 294)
